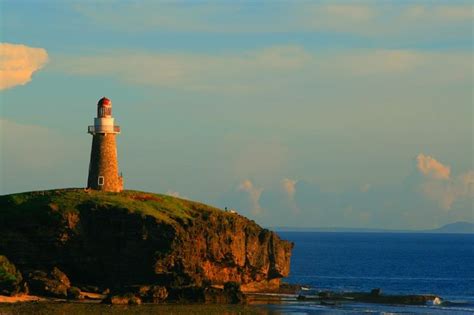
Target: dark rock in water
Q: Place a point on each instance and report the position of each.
(74, 293)
(289, 288)
(207, 295)
(10, 278)
(111, 240)
(91, 288)
(148, 293)
(156, 294)
(391, 299)
(404, 299)
(128, 299)
(60, 276)
(54, 284)
(376, 292)
(374, 296)
(233, 293)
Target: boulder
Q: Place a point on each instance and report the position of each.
(53, 284)
(230, 294)
(156, 294)
(74, 293)
(60, 276)
(233, 293)
(146, 293)
(126, 299)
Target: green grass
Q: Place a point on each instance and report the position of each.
(162, 207)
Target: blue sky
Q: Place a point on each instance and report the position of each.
(302, 113)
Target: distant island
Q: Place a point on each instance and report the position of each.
(451, 228)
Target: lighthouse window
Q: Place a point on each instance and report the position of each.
(100, 181)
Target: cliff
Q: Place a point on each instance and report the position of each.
(112, 240)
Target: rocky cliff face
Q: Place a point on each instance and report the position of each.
(130, 238)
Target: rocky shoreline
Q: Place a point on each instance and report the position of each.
(39, 286)
(55, 285)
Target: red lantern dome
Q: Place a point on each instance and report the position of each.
(104, 107)
(104, 102)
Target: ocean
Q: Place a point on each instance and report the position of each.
(397, 263)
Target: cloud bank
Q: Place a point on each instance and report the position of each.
(254, 194)
(18, 63)
(429, 197)
(364, 18)
(270, 68)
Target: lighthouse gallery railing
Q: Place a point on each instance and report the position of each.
(103, 129)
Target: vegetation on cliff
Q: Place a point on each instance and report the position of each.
(10, 278)
(118, 240)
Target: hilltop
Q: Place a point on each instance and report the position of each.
(117, 240)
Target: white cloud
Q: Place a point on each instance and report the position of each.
(18, 63)
(356, 12)
(366, 18)
(289, 187)
(271, 68)
(439, 186)
(430, 167)
(254, 194)
(241, 72)
(447, 13)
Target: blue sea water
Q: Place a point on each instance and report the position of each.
(398, 263)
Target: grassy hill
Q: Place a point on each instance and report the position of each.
(163, 207)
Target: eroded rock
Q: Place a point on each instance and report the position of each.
(126, 299)
(53, 284)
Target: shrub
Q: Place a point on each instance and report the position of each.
(10, 278)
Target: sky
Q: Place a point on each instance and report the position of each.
(294, 113)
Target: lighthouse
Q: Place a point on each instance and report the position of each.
(103, 167)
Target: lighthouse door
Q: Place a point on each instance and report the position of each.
(100, 181)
